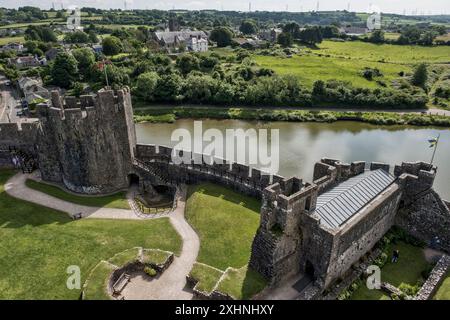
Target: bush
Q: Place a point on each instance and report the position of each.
(150, 271)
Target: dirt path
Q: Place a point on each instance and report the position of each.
(171, 284)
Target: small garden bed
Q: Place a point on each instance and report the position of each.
(102, 282)
(205, 277)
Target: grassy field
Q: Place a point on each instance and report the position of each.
(226, 223)
(117, 200)
(345, 61)
(96, 289)
(38, 244)
(443, 292)
(7, 40)
(408, 270)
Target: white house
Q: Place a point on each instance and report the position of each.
(197, 45)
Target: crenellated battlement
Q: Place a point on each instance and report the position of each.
(69, 107)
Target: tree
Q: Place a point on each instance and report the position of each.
(292, 28)
(77, 37)
(311, 35)
(420, 75)
(92, 36)
(112, 46)
(377, 36)
(427, 38)
(248, 27)
(169, 87)
(285, 39)
(319, 88)
(64, 70)
(146, 85)
(85, 58)
(187, 63)
(222, 36)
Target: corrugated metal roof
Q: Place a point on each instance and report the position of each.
(339, 204)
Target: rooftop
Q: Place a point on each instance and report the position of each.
(342, 202)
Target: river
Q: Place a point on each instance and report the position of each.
(303, 144)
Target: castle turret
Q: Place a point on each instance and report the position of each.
(88, 143)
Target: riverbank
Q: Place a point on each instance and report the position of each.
(171, 114)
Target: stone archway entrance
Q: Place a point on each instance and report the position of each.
(133, 179)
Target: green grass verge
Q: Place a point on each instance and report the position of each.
(7, 40)
(117, 200)
(443, 292)
(226, 223)
(155, 256)
(363, 293)
(206, 276)
(409, 267)
(38, 244)
(97, 283)
(242, 283)
(170, 114)
(125, 257)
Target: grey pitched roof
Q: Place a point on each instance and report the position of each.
(340, 203)
(169, 36)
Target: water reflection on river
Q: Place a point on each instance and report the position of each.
(302, 144)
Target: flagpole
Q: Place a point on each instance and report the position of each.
(435, 147)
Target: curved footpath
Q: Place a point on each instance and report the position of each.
(171, 284)
(17, 188)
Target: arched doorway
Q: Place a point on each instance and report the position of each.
(309, 269)
(133, 179)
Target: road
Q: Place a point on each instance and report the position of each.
(8, 102)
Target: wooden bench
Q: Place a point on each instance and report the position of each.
(121, 283)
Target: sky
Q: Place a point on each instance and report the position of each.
(387, 6)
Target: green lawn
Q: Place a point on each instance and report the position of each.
(155, 256)
(363, 293)
(443, 292)
(408, 268)
(242, 283)
(206, 276)
(345, 60)
(117, 200)
(226, 223)
(98, 280)
(7, 40)
(123, 258)
(38, 244)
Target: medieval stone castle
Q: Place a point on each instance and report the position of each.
(321, 228)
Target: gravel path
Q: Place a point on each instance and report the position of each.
(171, 284)
(17, 188)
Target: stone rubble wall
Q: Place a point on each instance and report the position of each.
(437, 276)
(428, 219)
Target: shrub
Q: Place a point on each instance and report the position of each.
(150, 271)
